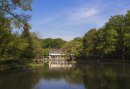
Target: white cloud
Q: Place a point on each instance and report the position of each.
(82, 13)
(69, 17)
(45, 21)
(79, 16)
(71, 22)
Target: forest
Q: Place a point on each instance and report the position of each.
(17, 42)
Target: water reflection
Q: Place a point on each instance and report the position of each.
(82, 76)
(57, 84)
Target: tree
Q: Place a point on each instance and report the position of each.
(74, 47)
(46, 52)
(120, 23)
(106, 42)
(7, 8)
(53, 43)
(110, 41)
(89, 41)
(34, 48)
(127, 35)
(10, 44)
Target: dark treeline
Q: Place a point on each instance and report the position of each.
(52, 43)
(12, 44)
(112, 41)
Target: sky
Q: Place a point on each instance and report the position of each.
(68, 19)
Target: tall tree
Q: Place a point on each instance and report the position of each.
(53, 43)
(89, 41)
(74, 47)
(9, 19)
(106, 42)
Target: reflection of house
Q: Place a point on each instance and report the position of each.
(58, 59)
(57, 54)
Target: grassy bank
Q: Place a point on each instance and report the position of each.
(33, 65)
(17, 66)
(103, 60)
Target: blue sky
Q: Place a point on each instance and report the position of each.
(68, 19)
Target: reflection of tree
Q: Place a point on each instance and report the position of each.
(106, 77)
(93, 76)
(76, 76)
(73, 76)
(18, 80)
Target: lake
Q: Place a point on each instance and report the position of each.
(81, 76)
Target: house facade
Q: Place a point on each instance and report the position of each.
(57, 54)
(58, 58)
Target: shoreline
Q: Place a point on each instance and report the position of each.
(16, 66)
(22, 66)
(104, 61)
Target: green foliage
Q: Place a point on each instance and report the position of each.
(7, 8)
(13, 45)
(46, 52)
(34, 48)
(74, 47)
(110, 41)
(89, 40)
(37, 46)
(106, 41)
(53, 43)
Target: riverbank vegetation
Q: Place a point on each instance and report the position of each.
(112, 41)
(18, 43)
(13, 44)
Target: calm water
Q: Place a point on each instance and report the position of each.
(82, 76)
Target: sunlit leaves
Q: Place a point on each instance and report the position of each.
(74, 47)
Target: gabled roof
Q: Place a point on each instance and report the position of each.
(56, 51)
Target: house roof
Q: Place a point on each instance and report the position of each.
(57, 51)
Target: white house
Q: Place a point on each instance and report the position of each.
(58, 58)
(57, 54)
